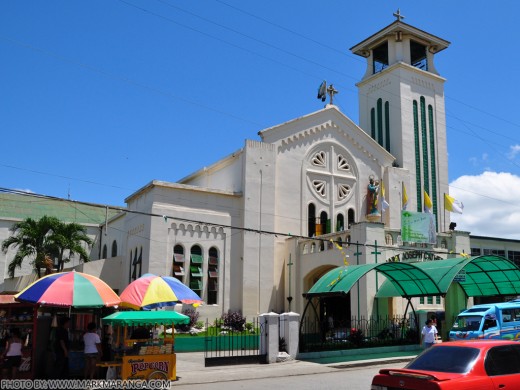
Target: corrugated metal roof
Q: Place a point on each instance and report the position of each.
(19, 207)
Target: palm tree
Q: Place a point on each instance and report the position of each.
(70, 237)
(45, 239)
(33, 240)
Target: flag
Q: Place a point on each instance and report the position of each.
(384, 203)
(427, 203)
(405, 198)
(322, 91)
(340, 248)
(452, 204)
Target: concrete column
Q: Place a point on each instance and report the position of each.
(269, 336)
(289, 331)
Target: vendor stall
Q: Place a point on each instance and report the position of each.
(146, 358)
(15, 315)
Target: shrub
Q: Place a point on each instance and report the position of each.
(199, 324)
(234, 320)
(355, 336)
(250, 327)
(194, 316)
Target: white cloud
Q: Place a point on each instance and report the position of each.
(491, 204)
(513, 151)
(24, 190)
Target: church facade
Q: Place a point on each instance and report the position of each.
(254, 231)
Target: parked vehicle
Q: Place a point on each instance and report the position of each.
(457, 365)
(490, 321)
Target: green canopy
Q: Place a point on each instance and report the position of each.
(478, 276)
(146, 318)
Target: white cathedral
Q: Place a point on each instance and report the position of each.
(253, 231)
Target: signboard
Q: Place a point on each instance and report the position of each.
(460, 277)
(146, 367)
(418, 227)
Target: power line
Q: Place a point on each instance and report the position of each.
(225, 226)
(140, 84)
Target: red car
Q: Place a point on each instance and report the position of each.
(457, 365)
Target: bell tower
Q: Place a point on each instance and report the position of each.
(401, 106)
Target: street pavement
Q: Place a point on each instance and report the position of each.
(191, 369)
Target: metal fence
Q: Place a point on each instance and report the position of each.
(225, 345)
(360, 332)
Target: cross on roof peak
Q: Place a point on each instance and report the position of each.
(398, 15)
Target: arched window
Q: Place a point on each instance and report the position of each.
(140, 263)
(114, 248)
(137, 265)
(324, 222)
(130, 268)
(213, 267)
(178, 262)
(380, 121)
(340, 223)
(105, 254)
(311, 211)
(196, 261)
(351, 217)
(387, 126)
(373, 123)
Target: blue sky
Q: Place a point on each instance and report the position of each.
(99, 97)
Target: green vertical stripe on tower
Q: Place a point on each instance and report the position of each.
(424, 132)
(387, 126)
(433, 164)
(417, 156)
(373, 123)
(380, 121)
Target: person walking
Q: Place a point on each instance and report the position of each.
(429, 334)
(92, 350)
(12, 355)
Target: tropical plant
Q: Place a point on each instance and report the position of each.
(44, 239)
(69, 237)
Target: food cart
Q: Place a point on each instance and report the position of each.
(144, 358)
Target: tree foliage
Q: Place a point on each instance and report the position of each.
(43, 240)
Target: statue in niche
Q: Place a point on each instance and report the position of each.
(372, 198)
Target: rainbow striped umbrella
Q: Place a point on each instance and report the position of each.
(70, 289)
(152, 291)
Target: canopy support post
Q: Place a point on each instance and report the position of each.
(416, 320)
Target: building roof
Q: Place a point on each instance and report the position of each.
(19, 207)
(437, 44)
(478, 276)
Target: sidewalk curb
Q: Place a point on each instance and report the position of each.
(374, 362)
(233, 373)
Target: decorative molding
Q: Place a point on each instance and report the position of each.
(320, 186)
(377, 86)
(136, 230)
(422, 83)
(343, 191)
(320, 159)
(343, 164)
(198, 231)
